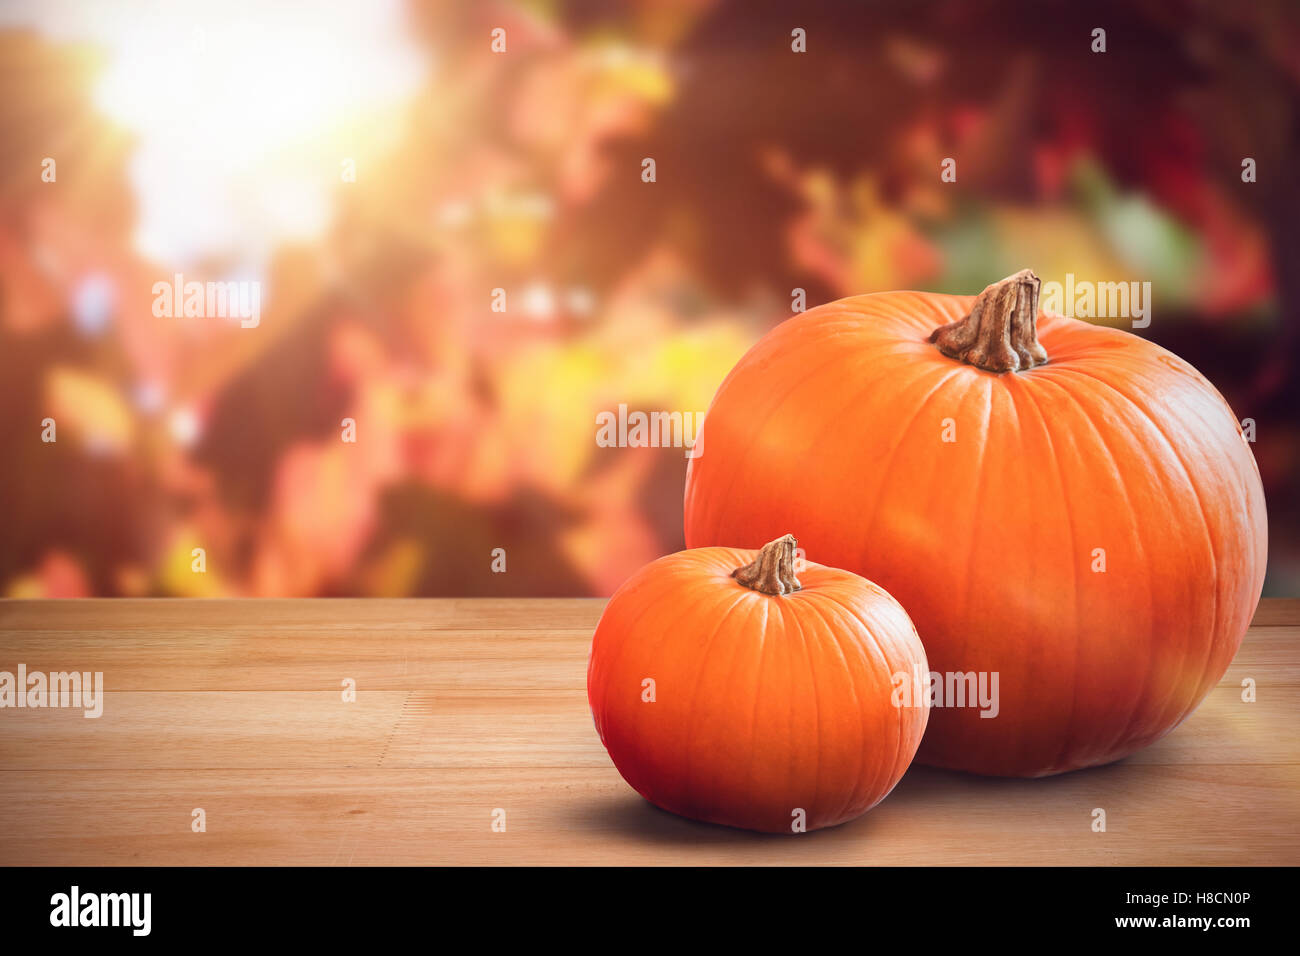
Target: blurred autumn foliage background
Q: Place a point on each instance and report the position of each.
(521, 170)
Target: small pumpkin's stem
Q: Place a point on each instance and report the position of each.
(999, 334)
(772, 572)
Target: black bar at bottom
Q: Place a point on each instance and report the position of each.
(442, 905)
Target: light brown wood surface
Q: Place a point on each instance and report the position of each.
(465, 706)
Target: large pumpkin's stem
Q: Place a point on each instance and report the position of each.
(772, 572)
(999, 334)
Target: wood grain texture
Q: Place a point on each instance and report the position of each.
(464, 706)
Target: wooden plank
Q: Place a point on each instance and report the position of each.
(304, 730)
(1193, 815)
(321, 614)
(464, 706)
(1277, 611)
(305, 659)
(299, 656)
(1268, 655)
(317, 729)
(352, 614)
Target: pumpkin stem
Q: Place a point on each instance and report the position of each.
(772, 572)
(999, 334)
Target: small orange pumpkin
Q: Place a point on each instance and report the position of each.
(727, 689)
(1069, 508)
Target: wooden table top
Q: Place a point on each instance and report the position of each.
(467, 706)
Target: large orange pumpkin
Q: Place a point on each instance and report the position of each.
(1069, 507)
(727, 689)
